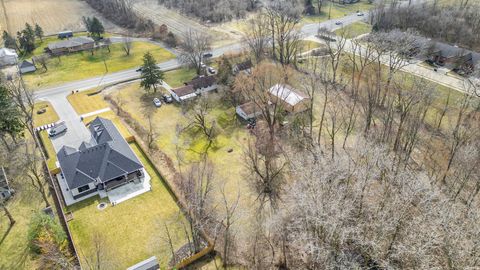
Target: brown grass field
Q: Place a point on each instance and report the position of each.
(52, 15)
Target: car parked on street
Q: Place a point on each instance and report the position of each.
(338, 22)
(157, 102)
(207, 55)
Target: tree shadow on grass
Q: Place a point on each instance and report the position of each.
(6, 234)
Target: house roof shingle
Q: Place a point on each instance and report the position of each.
(69, 43)
(202, 82)
(106, 157)
(184, 90)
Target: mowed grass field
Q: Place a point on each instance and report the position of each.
(52, 15)
(228, 165)
(336, 11)
(355, 29)
(132, 231)
(83, 65)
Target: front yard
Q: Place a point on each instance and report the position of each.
(43, 114)
(84, 65)
(131, 231)
(337, 11)
(354, 30)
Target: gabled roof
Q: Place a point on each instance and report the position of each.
(202, 82)
(26, 64)
(69, 43)
(7, 52)
(184, 90)
(250, 108)
(106, 157)
(287, 93)
(244, 65)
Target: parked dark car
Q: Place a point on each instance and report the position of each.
(207, 55)
(167, 98)
(139, 70)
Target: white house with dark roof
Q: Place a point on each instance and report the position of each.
(8, 57)
(105, 165)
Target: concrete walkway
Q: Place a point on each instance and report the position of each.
(95, 112)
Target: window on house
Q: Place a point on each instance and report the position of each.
(83, 188)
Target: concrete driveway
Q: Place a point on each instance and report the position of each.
(76, 130)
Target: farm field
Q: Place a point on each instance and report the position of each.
(83, 65)
(52, 15)
(179, 24)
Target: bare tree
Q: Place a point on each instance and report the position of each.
(35, 172)
(194, 46)
(100, 257)
(229, 219)
(256, 36)
(127, 44)
(43, 60)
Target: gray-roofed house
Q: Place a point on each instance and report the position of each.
(26, 67)
(74, 44)
(101, 165)
(248, 110)
(245, 67)
(194, 88)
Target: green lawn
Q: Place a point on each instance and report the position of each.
(51, 154)
(176, 78)
(14, 253)
(87, 101)
(41, 45)
(337, 11)
(133, 230)
(48, 117)
(84, 65)
(229, 166)
(355, 29)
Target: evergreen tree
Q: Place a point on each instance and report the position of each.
(9, 41)
(94, 27)
(151, 73)
(10, 118)
(225, 71)
(39, 32)
(26, 38)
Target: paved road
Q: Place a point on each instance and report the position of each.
(120, 76)
(312, 28)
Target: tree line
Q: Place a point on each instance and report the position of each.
(25, 40)
(455, 24)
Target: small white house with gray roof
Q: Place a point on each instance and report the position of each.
(101, 166)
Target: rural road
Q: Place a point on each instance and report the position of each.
(116, 77)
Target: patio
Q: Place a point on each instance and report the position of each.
(130, 190)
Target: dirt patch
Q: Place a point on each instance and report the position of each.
(52, 15)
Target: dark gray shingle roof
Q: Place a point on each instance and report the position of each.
(69, 43)
(106, 157)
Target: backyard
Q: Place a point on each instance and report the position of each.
(131, 231)
(83, 65)
(226, 154)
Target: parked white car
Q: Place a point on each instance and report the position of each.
(157, 102)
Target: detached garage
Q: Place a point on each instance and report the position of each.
(27, 67)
